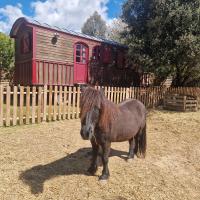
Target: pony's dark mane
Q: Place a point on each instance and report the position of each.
(89, 99)
(108, 110)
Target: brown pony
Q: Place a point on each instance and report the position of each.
(103, 122)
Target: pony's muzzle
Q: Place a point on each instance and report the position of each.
(83, 135)
(86, 134)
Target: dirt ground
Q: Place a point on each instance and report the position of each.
(49, 161)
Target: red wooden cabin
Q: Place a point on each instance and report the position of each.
(49, 55)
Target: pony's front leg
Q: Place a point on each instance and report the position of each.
(105, 156)
(95, 150)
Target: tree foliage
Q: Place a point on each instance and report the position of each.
(94, 26)
(115, 30)
(164, 38)
(6, 55)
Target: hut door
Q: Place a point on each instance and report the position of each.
(80, 63)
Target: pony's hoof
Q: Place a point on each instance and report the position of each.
(103, 182)
(103, 177)
(129, 160)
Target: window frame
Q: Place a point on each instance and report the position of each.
(96, 53)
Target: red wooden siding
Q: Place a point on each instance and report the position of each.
(51, 73)
(23, 73)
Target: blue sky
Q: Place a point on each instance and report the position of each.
(65, 13)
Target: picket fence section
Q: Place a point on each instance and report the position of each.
(25, 105)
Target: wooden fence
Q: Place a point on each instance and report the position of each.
(178, 102)
(25, 105)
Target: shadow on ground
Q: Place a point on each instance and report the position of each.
(75, 163)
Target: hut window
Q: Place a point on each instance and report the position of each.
(81, 53)
(96, 53)
(107, 51)
(78, 53)
(25, 43)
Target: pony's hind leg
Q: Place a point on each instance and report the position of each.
(141, 143)
(136, 144)
(131, 148)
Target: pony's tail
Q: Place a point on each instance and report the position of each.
(141, 143)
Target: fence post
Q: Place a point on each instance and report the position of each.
(1, 105)
(8, 105)
(111, 98)
(131, 92)
(39, 104)
(115, 96)
(55, 103)
(65, 102)
(15, 105)
(33, 104)
(146, 97)
(118, 93)
(69, 103)
(60, 102)
(127, 93)
(108, 93)
(153, 99)
(21, 105)
(73, 102)
(50, 103)
(105, 92)
(45, 104)
(27, 104)
(78, 102)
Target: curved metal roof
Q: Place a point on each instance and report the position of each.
(20, 20)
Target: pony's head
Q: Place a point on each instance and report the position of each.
(91, 103)
(89, 123)
(96, 111)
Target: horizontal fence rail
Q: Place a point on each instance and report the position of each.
(30, 105)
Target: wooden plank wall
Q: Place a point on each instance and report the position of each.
(51, 73)
(23, 73)
(46, 50)
(29, 105)
(63, 50)
(178, 102)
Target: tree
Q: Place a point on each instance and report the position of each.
(164, 38)
(94, 26)
(115, 30)
(6, 56)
